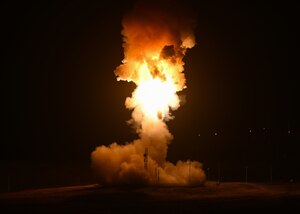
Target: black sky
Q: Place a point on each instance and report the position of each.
(60, 98)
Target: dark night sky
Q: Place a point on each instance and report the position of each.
(60, 98)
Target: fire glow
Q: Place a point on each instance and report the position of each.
(155, 42)
(155, 97)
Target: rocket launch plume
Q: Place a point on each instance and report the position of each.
(155, 42)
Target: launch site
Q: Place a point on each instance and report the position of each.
(138, 106)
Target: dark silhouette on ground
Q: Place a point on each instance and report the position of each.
(210, 198)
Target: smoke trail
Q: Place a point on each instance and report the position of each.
(156, 38)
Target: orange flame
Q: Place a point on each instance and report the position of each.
(155, 43)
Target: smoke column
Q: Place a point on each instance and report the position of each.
(156, 38)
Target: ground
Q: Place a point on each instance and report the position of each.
(210, 198)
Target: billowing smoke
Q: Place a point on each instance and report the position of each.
(156, 37)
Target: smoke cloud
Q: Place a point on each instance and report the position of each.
(156, 37)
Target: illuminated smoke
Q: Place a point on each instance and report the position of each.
(155, 42)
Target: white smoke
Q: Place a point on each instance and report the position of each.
(150, 30)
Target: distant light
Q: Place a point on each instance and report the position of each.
(264, 128)
(289, 132)
(198, 135)
(250, 130)
(216, 133)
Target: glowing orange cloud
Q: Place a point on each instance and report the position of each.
(155, 42)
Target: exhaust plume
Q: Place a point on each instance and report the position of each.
(156, 39)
